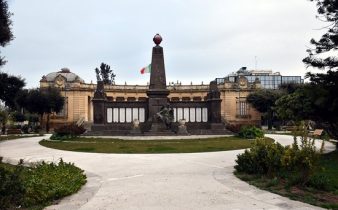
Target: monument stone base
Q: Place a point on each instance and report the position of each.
(182, 130)
(159, 129)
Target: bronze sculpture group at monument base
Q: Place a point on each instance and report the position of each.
(157, 116)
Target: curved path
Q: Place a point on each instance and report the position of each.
(155, 181)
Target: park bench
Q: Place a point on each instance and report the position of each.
(317, 133)
(11, 131)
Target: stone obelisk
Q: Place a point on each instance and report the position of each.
(157, 92)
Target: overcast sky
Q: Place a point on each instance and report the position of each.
(202, 39)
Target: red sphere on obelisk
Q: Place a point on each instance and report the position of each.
(157, 39)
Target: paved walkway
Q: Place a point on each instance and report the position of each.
(156, 181)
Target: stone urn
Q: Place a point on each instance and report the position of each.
(182, 128)
(136, 123)
(181, 122)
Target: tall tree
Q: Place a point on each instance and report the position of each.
(297, 105)
(105, 74)
(9, 87)
(323, 56)
(44, 102)
(5, 27)
(328, 12)
(264, 101)
(4, 116)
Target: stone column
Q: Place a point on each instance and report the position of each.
(214, 105)
(98, 104)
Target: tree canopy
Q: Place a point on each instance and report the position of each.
(324, 86)
(5, 27)
(10, 86)
(42, 102)
(105, 74)
(296, 106)
(264, 100)
(327, 10)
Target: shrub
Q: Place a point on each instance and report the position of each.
(251, 132)
(33, 118)
(302, 159)
(263, 158)
(38, 185)
(67, 132)
(50, 181)
(321, 182)
(18, 117)
(296, 163)
(12, 189)
(36, 128)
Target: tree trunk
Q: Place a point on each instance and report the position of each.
(3, 128)
(269, 120)
(47, 123)
(41, 121)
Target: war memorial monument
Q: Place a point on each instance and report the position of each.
(157, 115)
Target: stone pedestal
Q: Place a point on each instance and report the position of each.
(99, 111)
(217, 126)
(98, 104)
(135, 132)
(214, 103)
(182, 130)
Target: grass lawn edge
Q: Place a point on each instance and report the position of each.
(167, 146)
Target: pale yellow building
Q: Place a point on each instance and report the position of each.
(78, 96)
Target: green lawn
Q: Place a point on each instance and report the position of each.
(327, 199)
(329, 162)
(11, 137)
(102, 145)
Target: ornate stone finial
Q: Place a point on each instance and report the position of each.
(64, 70)
(157, 39)
(43, 79)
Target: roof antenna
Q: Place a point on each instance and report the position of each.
(256, 63)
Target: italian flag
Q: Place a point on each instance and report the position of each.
(146, 69)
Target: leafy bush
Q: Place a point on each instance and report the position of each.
(18, 117)
(33, 118)
(250, 132)
(11, 187)
(296, 163)
(50, 181)
(301, 160)
(67, 132)
(321, 182)
(36, 129)
(263, 158)
(39, 184)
